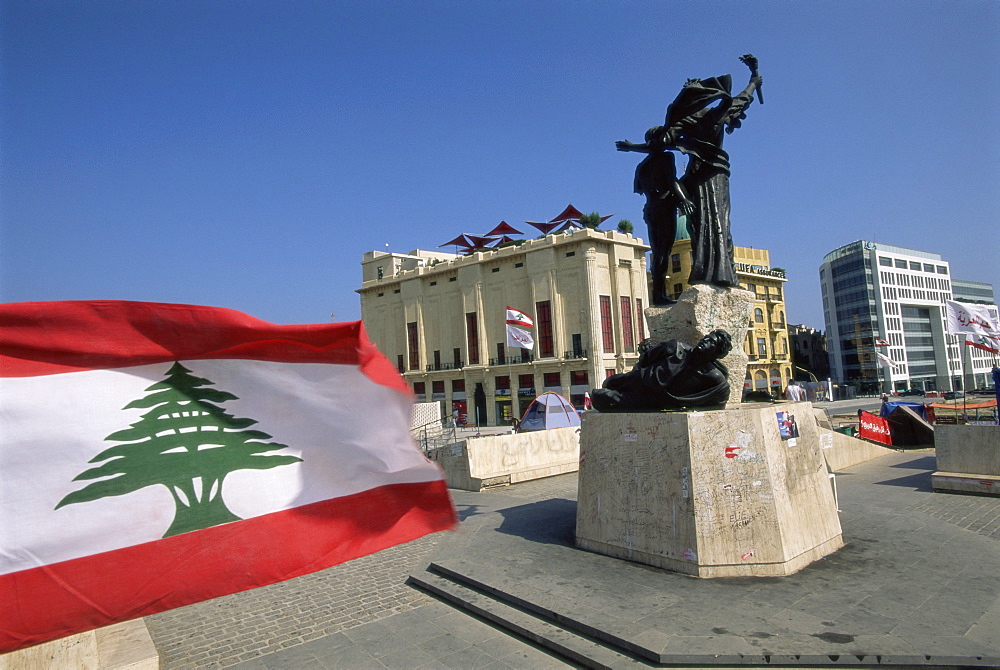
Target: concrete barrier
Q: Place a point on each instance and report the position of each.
(842, 451)
(488, 461)
(968, 459)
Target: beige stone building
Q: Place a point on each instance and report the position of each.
(770, 366)
(441, 318)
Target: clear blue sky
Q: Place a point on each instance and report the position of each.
(246, 154)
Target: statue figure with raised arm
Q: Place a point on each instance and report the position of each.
(696, 123)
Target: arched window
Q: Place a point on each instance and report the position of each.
(775, 378)
(781, 318)
(760, 381)
(758, 315)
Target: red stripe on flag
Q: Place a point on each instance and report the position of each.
(44, 338)
(984, 347)
(82, 594)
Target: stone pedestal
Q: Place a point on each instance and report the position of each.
(700, 310)
(968, 459)
(712, 494)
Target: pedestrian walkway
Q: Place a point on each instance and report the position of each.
(915, 585)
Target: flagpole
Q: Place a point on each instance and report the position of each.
(510, 380)
(961, 360)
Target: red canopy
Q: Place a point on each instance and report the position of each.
(504, 228)
(479, 241)
(503, 240)
(569, 213)
(461, 241)
(546, 228)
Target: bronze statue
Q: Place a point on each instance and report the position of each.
(656, 178)
(670, 375)
(694, 126)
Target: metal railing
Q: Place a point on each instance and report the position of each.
(435, 367)
(435, 434)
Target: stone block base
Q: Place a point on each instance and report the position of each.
(122, 646)
(726, 493)
(968, 458)
(960, 482)
(700, 309)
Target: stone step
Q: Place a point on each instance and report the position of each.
(527, 624)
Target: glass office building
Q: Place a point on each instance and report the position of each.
(884, 308)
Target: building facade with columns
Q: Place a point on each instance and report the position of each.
(766, 344)
(441, 318)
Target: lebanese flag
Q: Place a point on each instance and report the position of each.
(982, 342)
(879, 342)
(516, 317)
(157, 455)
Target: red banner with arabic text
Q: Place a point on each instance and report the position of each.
(874, 428)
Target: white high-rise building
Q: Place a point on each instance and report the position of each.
(876, 293)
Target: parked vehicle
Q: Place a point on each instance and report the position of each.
(953, 395)
(983, 391)
(911, 392)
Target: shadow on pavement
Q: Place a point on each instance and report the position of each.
(547, 521)
(463, 512)
(918, 482)
(923, 463)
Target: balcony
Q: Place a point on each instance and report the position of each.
(437, 367)
(512, 360)
(575, 354)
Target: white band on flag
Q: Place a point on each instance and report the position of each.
(967, 318)
(516, 317)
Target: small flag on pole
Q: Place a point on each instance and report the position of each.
(879, 342)
(517, 337)
(516, 317)
(982, 342)
(153, 456)
(885, 359)
(972, 319)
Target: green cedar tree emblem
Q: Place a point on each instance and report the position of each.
(186, 443)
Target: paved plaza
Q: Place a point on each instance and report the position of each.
(915, 584)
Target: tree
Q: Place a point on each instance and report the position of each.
(185, 443)
(592, 220)
(625, 226)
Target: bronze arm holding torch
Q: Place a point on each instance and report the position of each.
(751, 62)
